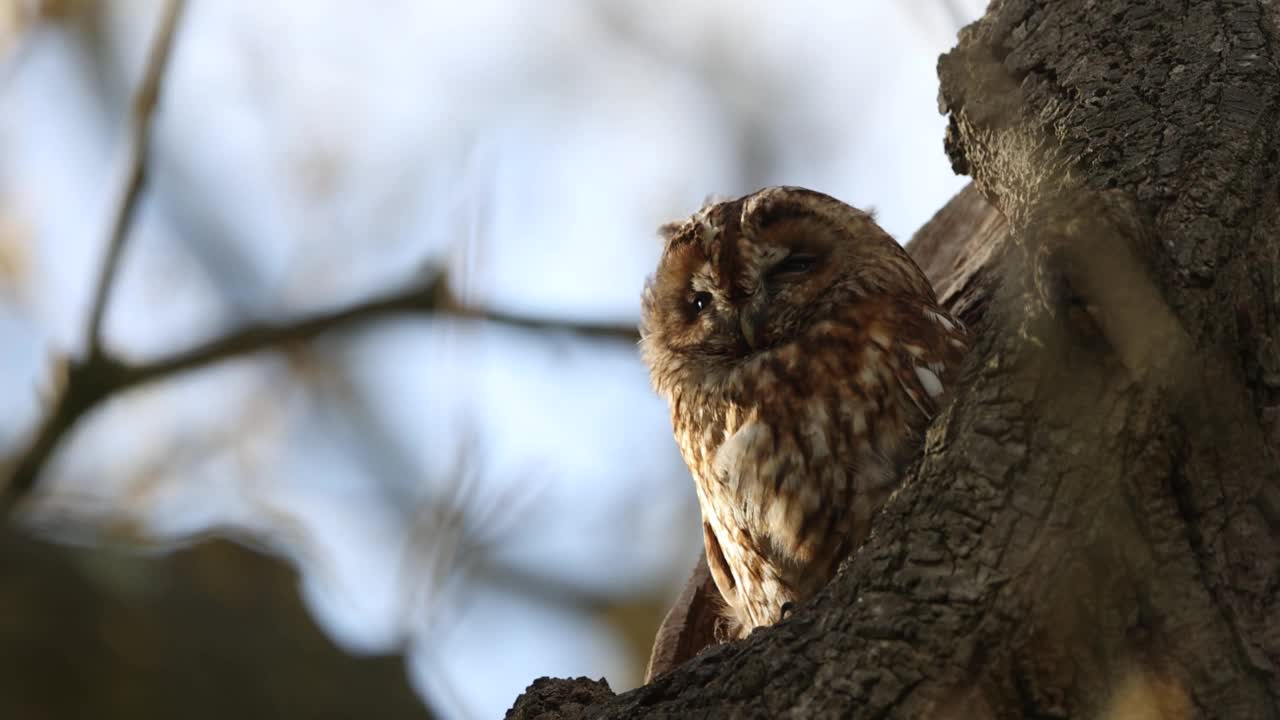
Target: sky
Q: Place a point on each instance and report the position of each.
(444, 486)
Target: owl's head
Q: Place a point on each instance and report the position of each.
(742, 277)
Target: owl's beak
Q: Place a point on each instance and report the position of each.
(751, 319)
(748, 330)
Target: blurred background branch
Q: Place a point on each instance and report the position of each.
(94, 377)
(141, 111)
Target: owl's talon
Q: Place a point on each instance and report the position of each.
(787, 609)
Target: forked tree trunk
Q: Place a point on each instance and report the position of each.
(1094, 527)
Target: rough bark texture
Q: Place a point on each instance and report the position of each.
(1094, 527)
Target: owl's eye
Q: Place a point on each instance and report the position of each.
(701, 301)
(794, 264)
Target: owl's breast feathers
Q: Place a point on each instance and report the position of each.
(798, 448)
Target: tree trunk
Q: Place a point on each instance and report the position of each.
(1093, 529)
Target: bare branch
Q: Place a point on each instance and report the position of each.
(593, 330)
(426, 296)
(144, 105)
(101, 376)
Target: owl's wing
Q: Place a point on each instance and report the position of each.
(755, 502)
(719, 565)
(927, 363)
(746, 476)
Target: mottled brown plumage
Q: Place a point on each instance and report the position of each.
(802, 353)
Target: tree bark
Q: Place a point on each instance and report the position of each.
(1093, 529)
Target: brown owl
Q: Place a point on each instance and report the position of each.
(802, 354)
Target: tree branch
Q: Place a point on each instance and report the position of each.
(91, 381)
(144, 105)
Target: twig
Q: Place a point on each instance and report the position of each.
(595, 330)
(144, 105)
(426, 296)
(91, 379)
(430, 296)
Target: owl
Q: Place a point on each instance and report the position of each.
(802, 354)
